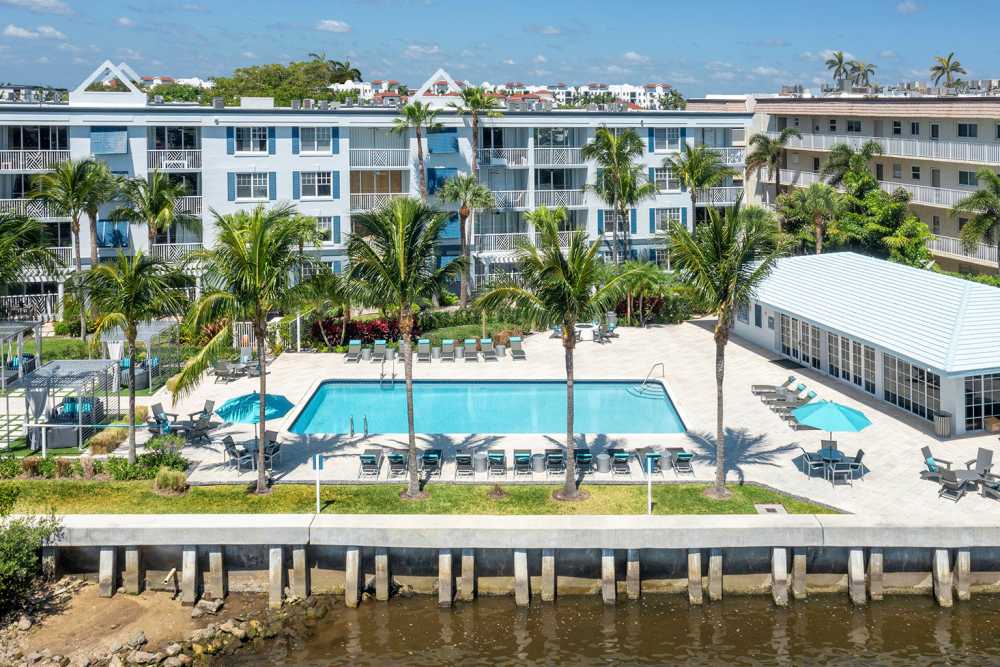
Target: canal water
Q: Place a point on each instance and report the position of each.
(658, 630)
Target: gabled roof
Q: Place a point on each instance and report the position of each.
(945, 323)
(80, 96)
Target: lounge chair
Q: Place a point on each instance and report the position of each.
(469, 352)
(620, 462)
(353, 351)
(785, 407)
(379, 351)
(236, 455)
(583, 459)
(516, 349)
(680, 461)
(424, 350)
(555, 461)
(951, 487)
(463, 466)
(784, 395)
(649, 461)
(370, 463)
(206, 411)
(522, 462)
(489, 353)
(935, 466)
(983, 462)
(224, 372)
(496, 461)
(448, 350)
(760, 389)
(430, 462)
(397, 464)
(812, 462)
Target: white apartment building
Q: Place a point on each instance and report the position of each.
(335, 163)
(932, 147)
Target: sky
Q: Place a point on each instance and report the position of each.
(715, 47)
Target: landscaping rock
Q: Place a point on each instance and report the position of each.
(197, 612)
(138, 640)
(24, 624)
(116, 661)
(172, 649)
(210, 606)
(144, 658)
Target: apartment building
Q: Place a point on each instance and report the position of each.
(335, 163)
(932, 147)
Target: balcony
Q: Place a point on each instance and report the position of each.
(34, 208)
(919, 194)
(173, 160)
(188, 205)
(731, 156)
(718, 196)
(503, 157)
(31, 161)
(558, 157)
(173, 252)
(503, 199)
(65, 254)
(981, 253)
(559, 198)
(380, 158)
(373, 200)
(507, 244)
(481, 282)
(920, 149)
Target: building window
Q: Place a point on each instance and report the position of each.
(967, 178)
(173, 138)
(665, 179)
(666, 139)
(936, 224)
(833, 124)
(665, 217)
(614, 219)
(935, 131)
(869, 371)
(377, 181)
(795, 121)
(998, 130)
(758, 316)
(251, 140)
(315, 139)
(854, 126)
(317, 184)
(897, 170)
(251, 186)
(770, 323)
(968, 130)
(324, 227)
(743, 312)
(915, 173)
(815, 164)
(915, 128)
(897, 128)
(982, 400)
(37, 137)
(910, 387)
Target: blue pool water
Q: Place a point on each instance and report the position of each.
(489, 407)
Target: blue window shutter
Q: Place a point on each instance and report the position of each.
(296, 185)
(652, 221)
(649, 138)
(272, 185)
(231, 185)
(683, 139)
(337, 266)
(684, 216)
(336, 230)
(335, 140)
(632, 223)
(335, 179)
(295, 141)
(230, 140)
(600, 221)
(652, 175)
(270, 141)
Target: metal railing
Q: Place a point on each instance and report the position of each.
(510, 198)
(949, 245)
(380, 157)
(31, 160)
(169, 160)
(65, 254)
(173, 252)
(919, 194)
(558, 156)
(42, 307)
(510, 157)
(508, 242)
(559, 197)
(730, 155)
(723, 196)
(927, 149)
(482, 282)
(373, 200)
(34, 208)
(190, 205)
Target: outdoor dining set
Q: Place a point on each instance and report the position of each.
(956, 482)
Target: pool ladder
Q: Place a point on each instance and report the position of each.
(365, 418)
(649, 375)
(381, 376)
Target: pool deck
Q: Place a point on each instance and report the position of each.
(760, 447)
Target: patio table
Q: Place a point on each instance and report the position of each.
(831, 455)
(968, 476)
(603, 462)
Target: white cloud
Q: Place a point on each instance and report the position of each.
(907, 7)
(20, 33)
(888, 54)
(824, 55)
(125, 22)
(615, 69)
(508, 61)
(249, 55)
(130, 54)
(539, 59)
(48, 32)
(772, 72)
(42, 60)
(550, 30)
(40, 6)
(332, 25)
(634, 57)
(421, 51)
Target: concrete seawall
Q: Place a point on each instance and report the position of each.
(458, 557)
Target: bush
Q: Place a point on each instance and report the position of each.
(120, 470)
(151, 461)
(63, 467)
(10, 467)
(107, 441)
(367, 331)
(85, 467)
(168, 443)
(29, 466)
(170, 481)
(47, 467)
(21, 542)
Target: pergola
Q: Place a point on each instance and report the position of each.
(14, 362)
(66, 401)
(163, 354)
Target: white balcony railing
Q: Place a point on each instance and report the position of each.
(481, 282)
(509, 242)
(926, 149)
(173, 160)
(375, 158)
(26, 161)
(558, 156)
(948, 245)
(189, 205)
(510, 198)
(919, 194)
(34, 208)
(373, 200)
(65, 255)
(559, 197)
(730, 155)
(42, 307)
(726, 196)
(509, 157)
(173, 252)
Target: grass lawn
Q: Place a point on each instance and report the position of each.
(80, 497)
(62, 347)
(19, 449)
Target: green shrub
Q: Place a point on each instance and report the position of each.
(10, 467)
(169, 443)
(61, 346)
(21, 541)
(47, 467)
(170, 481)
(120, 470)
(152, 461)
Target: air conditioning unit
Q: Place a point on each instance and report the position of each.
(324, 105)
(218, 103)
(308, 104)
(296, 104)
(158, 99)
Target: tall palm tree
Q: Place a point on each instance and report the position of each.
(340, 71)
(672, 100)
(394, 265)
(698, 167)
(320, 297)
(559, 286)
(619, 181)
(838, 63)
(766, 152)
(152, 202)
(66, 191)
(724, 261)
(476, 103)
(946, 67)
(102, 188)
(984, 205)
(125, 293)
(469, 194)
(23, 247)
(420, 117)
(843, 159)
(862, 72)
(817, 204)
(247, 275)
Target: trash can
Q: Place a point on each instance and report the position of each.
(603, 462)
(942, 424)
(479, 461)
(538, 462)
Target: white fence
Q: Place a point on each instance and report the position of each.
(30, 207)
(190, 205)
(948, 245)
(731, 155)
(937, 149)
(31, 160)
(509, 157)
(508, 242)
(380, 157)
(919, 194)
(559, 197)
(558, 156)
(169, 160)
(173, 252)
(510, 198)
(373, 200)
(718, 196)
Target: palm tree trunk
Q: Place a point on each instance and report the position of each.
(420, 165)
(818, 231)
(93, 238)
(260, 332)
(642, 311)
(569, 342)
(475, 145)
(628, 306)
(720, 434)
(405, 329)
(79, 278)
(463, 289)
(626, 223)
(777, 191)
(322, 333)
(131, 396)
(347, 320)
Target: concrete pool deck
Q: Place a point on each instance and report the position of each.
(760, 447)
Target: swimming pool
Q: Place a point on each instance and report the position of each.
(536, 406)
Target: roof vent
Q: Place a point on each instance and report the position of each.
(324, 105)
(218, 102)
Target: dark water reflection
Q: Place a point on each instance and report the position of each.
(658, 630)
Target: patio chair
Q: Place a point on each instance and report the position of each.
(469, 352)
(201, 429)
(463, 466)
(784, 395)
(272, 448)
(760, 389)
(989, 487)
(378, 351)
(681, 461)
(951, 487)
(397, 464)
(430, 462)
(812, 462)
(224, 372)
(983, 462)
(842, 470)
(555, 462)
(160, 415)
(424, 350)
(516, 349)
(935, 466)
(556, 331)
(206, 411)
(489, 352)
(448, 350)
(856, 466)
(649, 461)
(611, 329)
(353, 351)
(522, 462)
(236, 455)
(583, 459)
(496, 461)
(620, 462)
(370, 463)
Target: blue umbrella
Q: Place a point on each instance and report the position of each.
(246, 409)
(830, 416)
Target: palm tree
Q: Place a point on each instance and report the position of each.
(672, 100)
(475, 103)
(66, 191)
(838, 64)
(766, 152)
(984, 205)
(843, 159)
(817, 204)
(643, 279)
(724, 261)
(394, 265)
(419, 117)
(101, 188)
(152, 202)
(946, 68)
(698, 167)
(321, 297)
(559, 286)
(23, 247)
(246, 275)
(340, 71)
(125, 293)
(861, 73)
(469, 194)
